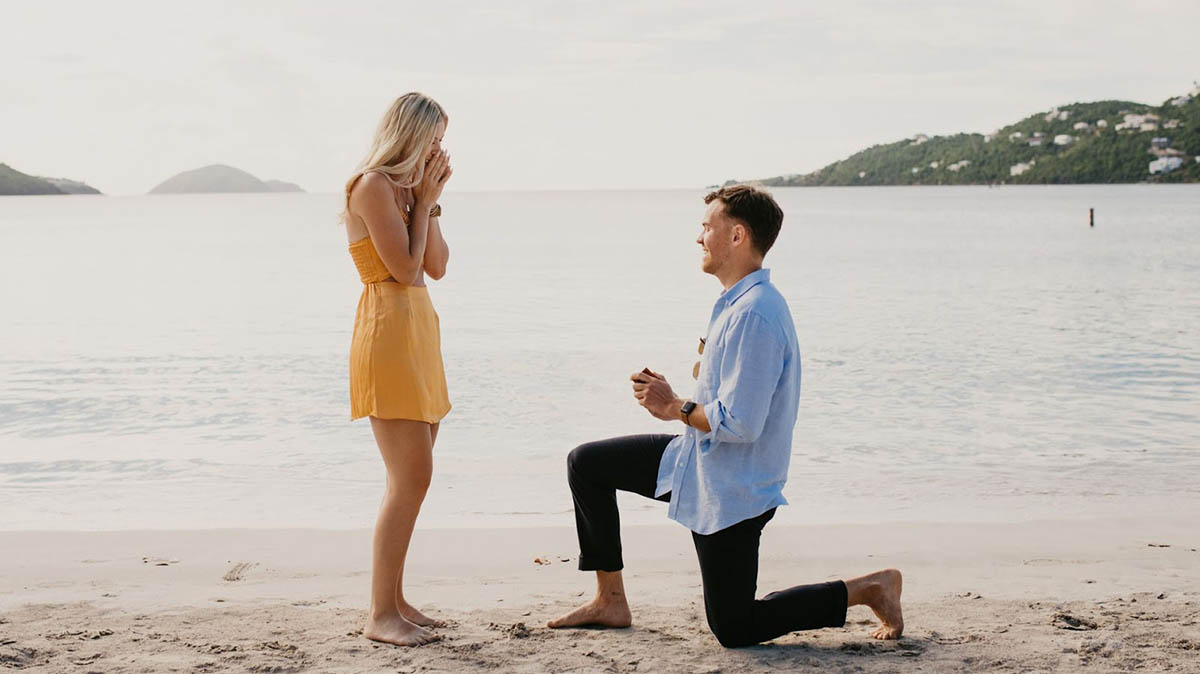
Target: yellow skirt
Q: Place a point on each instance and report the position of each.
(396, 356)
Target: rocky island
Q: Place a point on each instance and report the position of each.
(220, 178)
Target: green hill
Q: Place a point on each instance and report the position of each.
(1026, 152)
(72, 186)
(14, 182)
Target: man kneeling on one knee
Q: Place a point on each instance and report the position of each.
(724, 475)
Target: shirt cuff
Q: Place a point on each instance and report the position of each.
(714, 415)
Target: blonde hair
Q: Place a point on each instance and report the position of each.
(398, 150)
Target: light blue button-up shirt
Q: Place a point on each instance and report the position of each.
(749, 385)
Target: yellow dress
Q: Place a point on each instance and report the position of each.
(396, 352)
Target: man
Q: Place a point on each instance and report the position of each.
(724, 475)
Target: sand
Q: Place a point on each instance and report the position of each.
(1095, 596)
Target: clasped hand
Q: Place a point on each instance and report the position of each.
(654, 393)
(437, 172)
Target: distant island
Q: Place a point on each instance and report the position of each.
(1103, 142)
(14, 182)
(220, 178)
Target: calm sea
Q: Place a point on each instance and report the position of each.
(969, 354)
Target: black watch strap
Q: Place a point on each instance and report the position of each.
(685, 412)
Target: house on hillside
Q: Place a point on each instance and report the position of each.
(1082, 126)
(1144, 122)
(1102, 124)
(919, 138)
(1160, 143)
(1165, 165)
(1181, 101)
(1171, 124)
(1019, 168)
(1064, 139)
(956, 166)
(1036, 141)
(989, 137)
(1015, 135)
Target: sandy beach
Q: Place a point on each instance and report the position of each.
(1098, 596)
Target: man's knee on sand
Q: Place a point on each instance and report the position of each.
(730, 632)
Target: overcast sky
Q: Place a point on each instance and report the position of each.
(554, 94)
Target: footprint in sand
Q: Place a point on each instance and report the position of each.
(238, 571)
(1066, 621)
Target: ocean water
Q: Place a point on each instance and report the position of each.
(969, 354)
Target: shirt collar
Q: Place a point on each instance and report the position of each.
(745, 284)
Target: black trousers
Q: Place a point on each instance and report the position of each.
(728, 558)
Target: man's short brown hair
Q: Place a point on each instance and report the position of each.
(755, 208)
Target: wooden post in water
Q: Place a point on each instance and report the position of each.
(1091, 217)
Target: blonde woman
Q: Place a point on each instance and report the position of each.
(396, 375)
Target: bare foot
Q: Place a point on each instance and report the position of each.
(395, 629)
(412, 615)
(884, 600)
(596, 613)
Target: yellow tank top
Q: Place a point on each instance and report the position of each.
(371, 268)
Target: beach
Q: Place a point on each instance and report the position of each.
(997, 400)
(1048, 596)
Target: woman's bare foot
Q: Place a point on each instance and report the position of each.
(881, 591)
(608, 612)
(412, 615)
(395, 629)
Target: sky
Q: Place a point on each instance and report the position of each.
(554, 94)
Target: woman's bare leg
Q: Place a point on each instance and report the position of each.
(406, 609)
(407, 450)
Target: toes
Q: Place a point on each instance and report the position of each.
(886, 633)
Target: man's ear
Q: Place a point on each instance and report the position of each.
(739, 233)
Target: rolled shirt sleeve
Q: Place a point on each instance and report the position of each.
(750, 367)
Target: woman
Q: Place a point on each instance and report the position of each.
(396, 375)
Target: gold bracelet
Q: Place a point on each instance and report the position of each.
(435, 211)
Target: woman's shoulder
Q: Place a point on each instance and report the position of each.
(375, 178)
(372, 184)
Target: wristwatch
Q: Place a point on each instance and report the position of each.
(686, 411)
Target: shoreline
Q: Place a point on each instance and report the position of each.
(1050, 596)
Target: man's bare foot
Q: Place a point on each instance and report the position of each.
(596, 613)
(412, 615)
(395, 629)
(883, 596)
